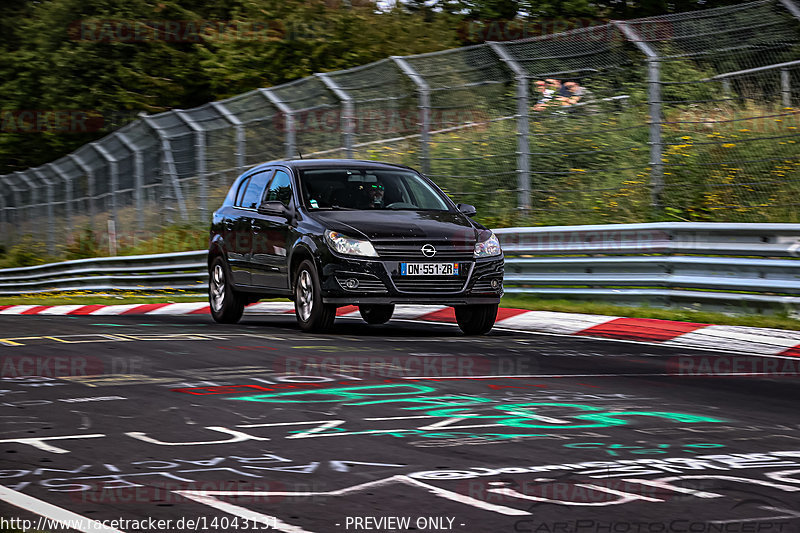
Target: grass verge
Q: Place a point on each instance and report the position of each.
(109, 299)
(777, 321)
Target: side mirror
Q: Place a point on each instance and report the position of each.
(273, 208)
(467, 209)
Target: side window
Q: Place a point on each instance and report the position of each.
(423, 197)
(240, 193)
(255, 189)
(280, 189)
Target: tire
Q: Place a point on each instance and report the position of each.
(311, 313)
(476, 319)
(227, 305)
(376, 314)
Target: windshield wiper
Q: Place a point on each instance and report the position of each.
(332, 208)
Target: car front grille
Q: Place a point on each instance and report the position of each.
(413, 251)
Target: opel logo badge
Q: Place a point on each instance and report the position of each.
(428, 250)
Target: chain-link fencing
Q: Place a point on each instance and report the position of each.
(687, 117)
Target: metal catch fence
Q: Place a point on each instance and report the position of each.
(689, 117)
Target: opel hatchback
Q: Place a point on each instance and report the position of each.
(330, 233)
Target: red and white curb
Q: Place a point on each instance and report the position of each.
(760, 341)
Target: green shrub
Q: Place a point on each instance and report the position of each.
(28, 252)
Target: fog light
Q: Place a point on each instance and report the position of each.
(351, 283)
(495, 284)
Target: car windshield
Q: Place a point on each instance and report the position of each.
(365, 188)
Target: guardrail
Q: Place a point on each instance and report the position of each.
(731, 267)
(715, 266)
(178, 271)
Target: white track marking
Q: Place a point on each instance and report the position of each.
(52, 512)
(415, 311)
(59, 309)
(270, 307)
(733, 338)
(207, 498)
(546, 321)
(16, 309)
(39, 442)
(757, 342)
(272, 522)
(114, 309)
(178, 309)
(674, 343)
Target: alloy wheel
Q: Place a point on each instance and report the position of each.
(305, 295)
(217, 288)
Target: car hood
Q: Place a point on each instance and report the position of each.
(388, 224)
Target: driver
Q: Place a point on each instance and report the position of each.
(375, 194)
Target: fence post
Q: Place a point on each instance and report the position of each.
(290, 139)
(424, 108)
(7, 216)
(138, 178)
(51, 216)
(68, 193)
(4, 222)
(169, 161)
(200, 157)
(726, 88)
(14, 218)
(786, 88)
(792, 7)
(34, 197)
(90, 185)
(113, 169)
(15, 190)
(241, 147)
(523, 148)
(348, 113)
(654, 102)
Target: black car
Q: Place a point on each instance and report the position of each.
(330, 233)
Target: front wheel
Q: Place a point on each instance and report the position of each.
(312, 314)
(226, 304)
(476, 319)
(376, 314)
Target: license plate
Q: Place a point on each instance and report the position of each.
(429, 269)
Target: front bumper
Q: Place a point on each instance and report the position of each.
(349, 281)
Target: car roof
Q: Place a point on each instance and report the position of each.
(333, 163)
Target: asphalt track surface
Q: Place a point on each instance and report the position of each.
(401, 427)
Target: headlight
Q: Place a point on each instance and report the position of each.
(348, 246)
(487, 245)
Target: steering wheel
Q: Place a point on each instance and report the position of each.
(400, 205)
